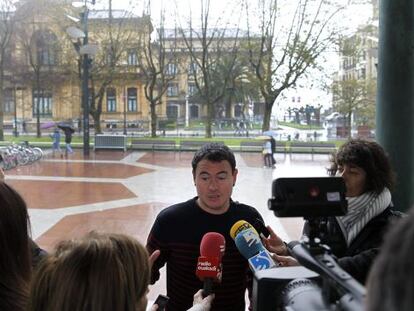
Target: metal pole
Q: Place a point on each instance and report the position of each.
(125, 109)
(85, 88)
(15, 111)
(187, 113)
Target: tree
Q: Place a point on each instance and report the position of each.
(158, 65)
(350, 96)
(213, 52)
(40, 49)
(115, 34)
(354, 93)
(281, 55)
(6, 30)
(242, 87)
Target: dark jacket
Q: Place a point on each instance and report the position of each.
(359, 256)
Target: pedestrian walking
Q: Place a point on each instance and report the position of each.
(273, 149)
(56, 141)
(267, 154)
(68, 131)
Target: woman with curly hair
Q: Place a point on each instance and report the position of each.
(356, 237)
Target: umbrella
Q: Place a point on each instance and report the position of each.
(47, 125)
(270, 133)
(66, 127)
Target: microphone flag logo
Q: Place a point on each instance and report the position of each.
(250, 237)
(261, 261)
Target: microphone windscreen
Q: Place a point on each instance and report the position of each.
(248, 243)
(213, 244)
(240, 226)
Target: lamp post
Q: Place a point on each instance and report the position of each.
(15, 132)
(85, 88)
(187, 113)
(125, 110)
(84, 50)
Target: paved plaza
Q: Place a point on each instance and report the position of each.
(115, 191)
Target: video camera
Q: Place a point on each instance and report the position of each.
(319, 284)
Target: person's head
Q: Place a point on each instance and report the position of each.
(364, 165)
(390, 284)
(98, 272)
(15, 258)
(214, 174)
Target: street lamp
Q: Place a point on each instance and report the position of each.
(125, 98)
(15, 132)
(84, 51)
(187, 113)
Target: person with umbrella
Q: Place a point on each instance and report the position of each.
(56, 141)
(68, 130)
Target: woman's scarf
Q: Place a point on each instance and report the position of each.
(361, 210)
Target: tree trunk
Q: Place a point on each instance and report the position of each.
(266, 117)
(348, 123)
(96, 123)
(153, 120)
(210, 112)
(38, 133)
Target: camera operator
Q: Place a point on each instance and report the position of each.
(356, 237)
(390, 282)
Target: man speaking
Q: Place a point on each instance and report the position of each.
(178, 231)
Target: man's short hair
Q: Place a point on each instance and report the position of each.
(215, 152)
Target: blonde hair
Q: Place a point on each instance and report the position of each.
(98, 272)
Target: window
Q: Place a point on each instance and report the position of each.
(192, 69)
(43, 101)
(238, 111)
(132, 99)
(171, 69)
(192, 89)
(110, 57)
(8, 101)
(46, 47)
(45, 57)
(194, 111)
(172, 90)
(110, 100)
(172, 111)
(362, 74)
(132, 58)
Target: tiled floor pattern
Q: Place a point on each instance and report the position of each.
(115, 191)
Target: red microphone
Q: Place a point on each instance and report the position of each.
(209, 267)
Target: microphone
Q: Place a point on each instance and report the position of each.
(209, 267)
(250, 246)
(240, 226)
